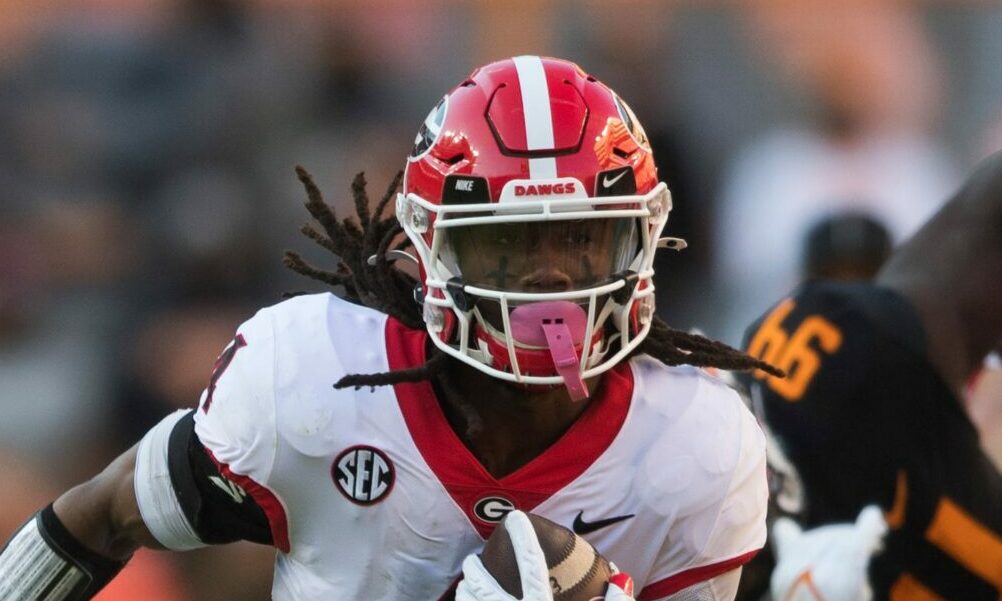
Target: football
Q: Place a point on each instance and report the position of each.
(577, 571)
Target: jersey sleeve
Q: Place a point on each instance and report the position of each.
(721, 529)
(235, 421)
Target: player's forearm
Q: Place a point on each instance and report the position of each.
(102, 513)
(70, 550)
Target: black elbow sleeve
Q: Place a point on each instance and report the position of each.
(217, 508)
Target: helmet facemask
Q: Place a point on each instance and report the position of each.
(538, 292)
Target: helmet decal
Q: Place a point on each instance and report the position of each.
(633, 126)
(615, 144)
(428, 133)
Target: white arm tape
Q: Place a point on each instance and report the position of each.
(31, 569)
(158, 503)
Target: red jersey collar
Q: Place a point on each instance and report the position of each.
(455, 466)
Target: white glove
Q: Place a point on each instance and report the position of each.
(478, 584)
(828, 563)
(620, 586)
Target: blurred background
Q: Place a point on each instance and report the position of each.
(147, 188)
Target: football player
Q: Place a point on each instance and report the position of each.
(376, 438)
(871, 412)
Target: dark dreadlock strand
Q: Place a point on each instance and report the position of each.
(352, 244)
(296, 263)
(324, 213)
(402, 285)
(311, 233)
(337, 241)
(389, 195)
(361, 197)
(432, 367)
(397, 287)
(402, 244)
(378, 285)
(390, 290)
(675, 347)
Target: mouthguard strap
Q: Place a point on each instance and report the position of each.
(565, 358)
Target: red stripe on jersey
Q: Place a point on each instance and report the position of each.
(673, 584)
(463, 477)
(265, 499)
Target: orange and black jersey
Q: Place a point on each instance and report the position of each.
(865, 418)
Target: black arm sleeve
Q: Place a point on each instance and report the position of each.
(217, 508)
(44, 561)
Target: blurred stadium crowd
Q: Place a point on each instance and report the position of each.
(147, 188)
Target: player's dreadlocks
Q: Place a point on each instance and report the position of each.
(367, 277)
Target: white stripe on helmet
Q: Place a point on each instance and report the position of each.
(538, 119)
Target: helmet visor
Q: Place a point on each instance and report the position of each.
(541, 256)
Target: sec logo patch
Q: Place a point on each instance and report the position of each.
(363, 474)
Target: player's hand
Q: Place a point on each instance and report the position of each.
(478, 585)
(829, 562)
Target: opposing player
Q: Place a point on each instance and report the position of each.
(377, 438)
(871, 412)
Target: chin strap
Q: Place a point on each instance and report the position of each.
(565, 358)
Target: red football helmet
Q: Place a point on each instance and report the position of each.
(533, 202)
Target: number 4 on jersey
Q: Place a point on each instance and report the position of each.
(795, 354)
(222, 362)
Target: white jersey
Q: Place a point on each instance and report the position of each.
(371, 495)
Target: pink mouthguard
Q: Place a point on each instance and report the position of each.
(559, 326)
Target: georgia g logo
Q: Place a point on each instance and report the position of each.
(363, 474)
(492, 509)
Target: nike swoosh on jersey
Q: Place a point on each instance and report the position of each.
(582, 527)
(608, 183)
